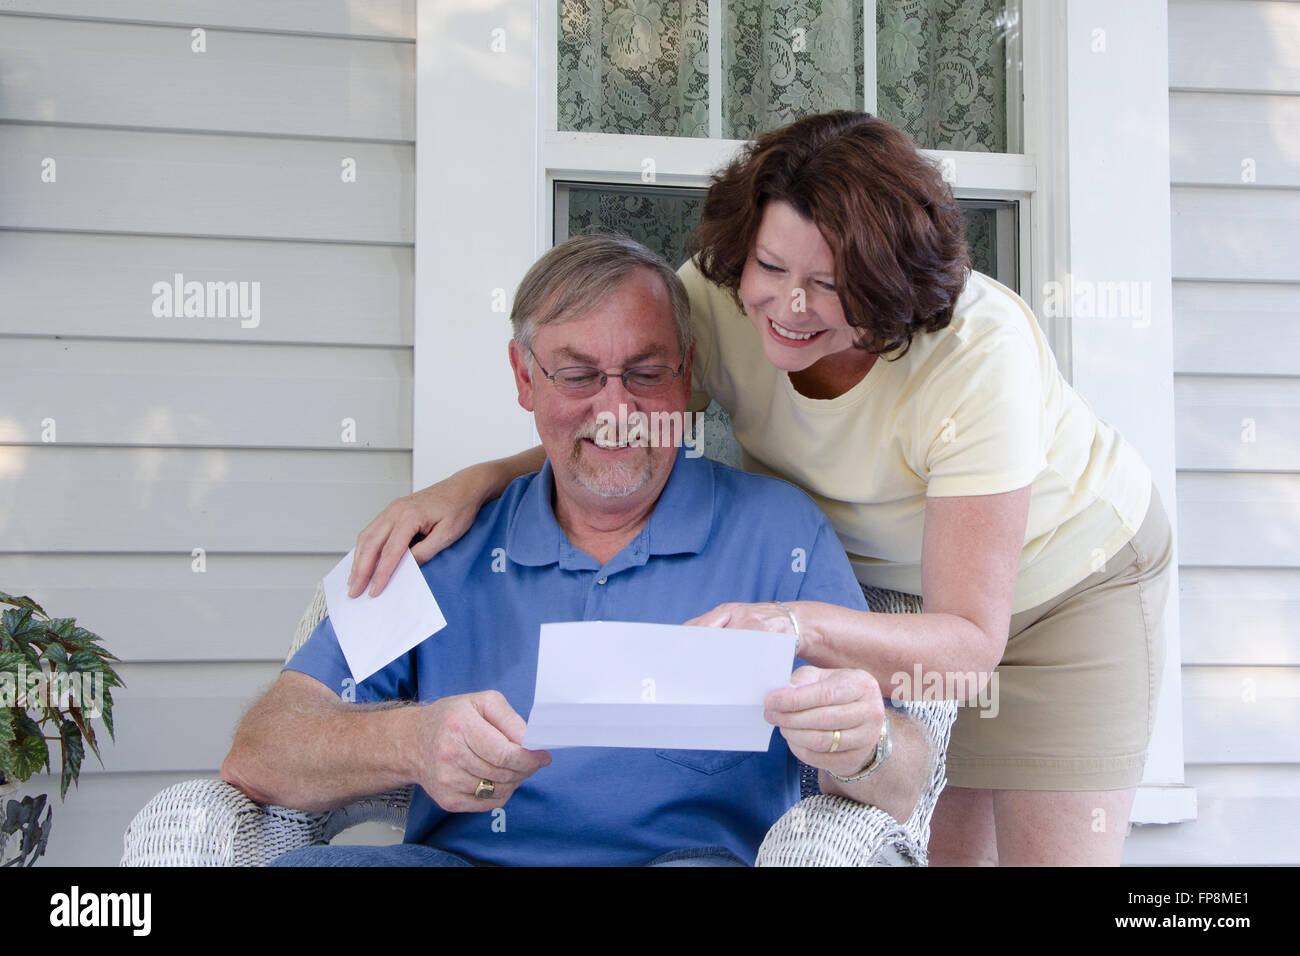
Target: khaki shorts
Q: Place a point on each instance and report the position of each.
(1077, 686)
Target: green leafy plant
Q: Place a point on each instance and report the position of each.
(50, 671)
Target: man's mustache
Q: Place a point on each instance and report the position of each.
(595, 427)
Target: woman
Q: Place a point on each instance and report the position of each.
(838, 322)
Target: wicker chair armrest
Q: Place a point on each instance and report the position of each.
(387, 808)
(936, 719)
(820, 830)
(830, 830)
(211, 823)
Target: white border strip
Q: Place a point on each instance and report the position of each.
(715, 69)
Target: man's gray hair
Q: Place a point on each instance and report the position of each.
(576, 274)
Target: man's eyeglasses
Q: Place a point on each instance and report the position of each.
(583, 381)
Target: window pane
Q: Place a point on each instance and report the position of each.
(634, 66)
(784, 60)
(981, 226)
(941, 71)
(992, 239)
(642, 67)
(658, 218)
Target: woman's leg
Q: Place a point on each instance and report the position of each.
(1075, 710)
(1029, 827)
(1061, 828)
(961, 830)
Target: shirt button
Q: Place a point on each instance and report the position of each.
(601, 580)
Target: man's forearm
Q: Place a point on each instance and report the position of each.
(897, 786)
(304, 750)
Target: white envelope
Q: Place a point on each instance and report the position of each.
(666, 686)
(375, 631)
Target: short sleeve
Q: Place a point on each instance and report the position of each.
(981, 417)
(829, 577)
(702, 317)
(322, 658)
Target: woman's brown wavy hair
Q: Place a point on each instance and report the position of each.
(897, 234)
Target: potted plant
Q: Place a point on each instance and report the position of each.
(55, 678)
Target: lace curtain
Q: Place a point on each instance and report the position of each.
(782, 61)
(941, 66)
(658, 222)
(634, 66)
(641, 66)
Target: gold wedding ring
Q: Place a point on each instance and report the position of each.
(486, 788)
(835, 742)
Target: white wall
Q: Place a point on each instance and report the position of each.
(477, 231)
(179, 433)
(1234, 105)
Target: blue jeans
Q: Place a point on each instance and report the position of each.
(417, 854)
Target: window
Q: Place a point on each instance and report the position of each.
(730, 69)
(650, 96)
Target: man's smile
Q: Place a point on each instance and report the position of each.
(606, 444)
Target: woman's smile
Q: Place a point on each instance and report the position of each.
(792, 338)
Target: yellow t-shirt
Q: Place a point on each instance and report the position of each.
(977, 408)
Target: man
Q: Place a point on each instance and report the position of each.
(633, 531)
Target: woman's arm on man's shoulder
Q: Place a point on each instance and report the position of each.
(443, 512)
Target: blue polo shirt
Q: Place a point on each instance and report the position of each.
(716, 535)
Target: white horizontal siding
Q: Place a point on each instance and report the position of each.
(1236, 234)
(1245, 423)
(1237, 45)
(359, 18)
(112, 74)
(1234, 139)
(1238, 519)
(56, 498)
(1240, 615)
(1245, 817)
(224, 394)
(1235, 168)
(199, 185)
(101, 286)
(1235, 715)
(180, 433)
(1237, 328)
(179, 717)
(240, 607)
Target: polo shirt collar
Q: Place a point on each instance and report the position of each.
(680, 523)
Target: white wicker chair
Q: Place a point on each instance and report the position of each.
(211, 823)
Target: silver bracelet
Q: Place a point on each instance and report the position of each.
(884, 747)
(798, 638)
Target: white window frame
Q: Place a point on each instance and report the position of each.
(488, 156)
(688, 161)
